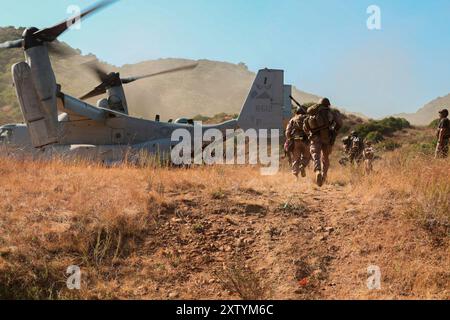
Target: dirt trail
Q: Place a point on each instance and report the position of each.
(325, 251)
(309, 243)
(283, 236)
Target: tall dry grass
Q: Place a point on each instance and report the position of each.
(56, 214)
(417, 184)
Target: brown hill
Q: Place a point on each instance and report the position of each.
(213, 87)
(429, 112)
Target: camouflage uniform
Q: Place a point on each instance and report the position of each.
(356, 150)
(443, 135)
(322, 136)
(300, 150)
(353, 148)
(369, 156)
(347, 144)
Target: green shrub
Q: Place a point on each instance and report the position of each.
(384, 127)
(374, 136)
(389, 145)
(434, 124)
(425, 148)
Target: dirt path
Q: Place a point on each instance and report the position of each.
(302, 244)
(308, 244)
(332, 237)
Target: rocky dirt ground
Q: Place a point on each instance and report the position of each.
(309, 243)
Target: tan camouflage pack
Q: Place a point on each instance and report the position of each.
(318, 118)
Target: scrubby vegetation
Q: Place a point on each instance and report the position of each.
(434, 124)
(377, 130)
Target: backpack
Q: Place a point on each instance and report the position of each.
(318, 118)
(445, 125)
(347, 141)
(357, 144)
(297, 127)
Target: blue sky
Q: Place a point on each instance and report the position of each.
(323, 45)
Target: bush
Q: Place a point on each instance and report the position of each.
(384, 127)
(390, 145)
(374, 137)
(434, 124)
(425, 148)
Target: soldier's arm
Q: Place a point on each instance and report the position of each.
(440, 135)
(338, 120)
(446, 129)
(289, 130)
(306, 128)
(440, 132)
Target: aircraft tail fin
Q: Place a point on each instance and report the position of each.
(263, 108)
(41, 125)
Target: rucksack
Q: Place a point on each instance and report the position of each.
(357, 144)
(318, 118)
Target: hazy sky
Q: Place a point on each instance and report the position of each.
(324, 46)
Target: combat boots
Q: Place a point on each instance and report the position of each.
(303, 172)
(319, 178)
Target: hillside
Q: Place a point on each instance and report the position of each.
(429, 112)
(212, 88)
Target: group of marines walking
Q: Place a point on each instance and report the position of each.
(311, 135)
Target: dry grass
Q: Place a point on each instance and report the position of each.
(237, 277)
(418, 184)
(53, 215)
(142, 232)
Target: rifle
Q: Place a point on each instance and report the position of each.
(333, 132)
(298, 104)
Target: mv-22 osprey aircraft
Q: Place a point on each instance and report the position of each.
(57, 123)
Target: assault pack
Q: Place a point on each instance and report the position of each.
(321, 120)
(297, 131)
(318, 118)
(357, 145)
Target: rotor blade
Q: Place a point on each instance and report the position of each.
(11, 44)
(101, 89)
(99, 72)
(50, 34)
(131, 79)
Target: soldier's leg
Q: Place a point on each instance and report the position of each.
(326, 151)
(316, 154)
(351, 158)
(296, 158)
(439, 151)
(305, 158)
(445, 148)
(316, 150)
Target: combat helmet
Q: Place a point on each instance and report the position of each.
(300, 110)
(444, 112)
(325, 102)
